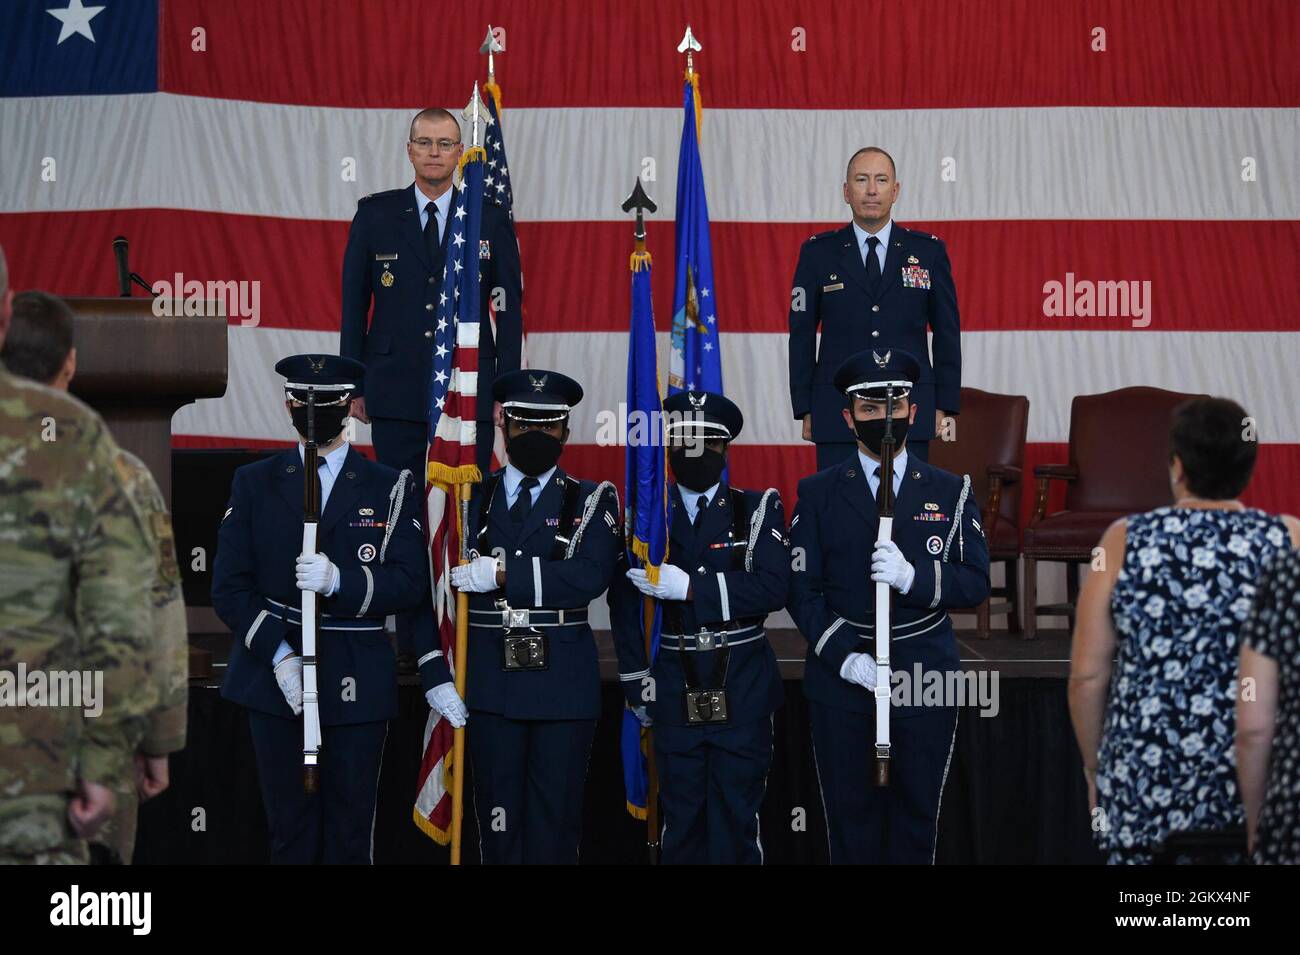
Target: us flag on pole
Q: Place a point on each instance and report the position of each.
(453, 392)
(497, 183)
(497, 189)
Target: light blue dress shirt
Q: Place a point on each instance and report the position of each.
(881, 249)
(443, 202)
(694, 500)
(330, 472)
(513, 478)
(869, 468)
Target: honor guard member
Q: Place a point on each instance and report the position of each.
(371, 561)
(872, 284)
(937, 560)
(715, 684)
(546, 545)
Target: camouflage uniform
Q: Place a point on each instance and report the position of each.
(75, 573)
(165, 729)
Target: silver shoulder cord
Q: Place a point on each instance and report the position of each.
(755, 525)
(396, 497)
(956, 522)
(588, 510)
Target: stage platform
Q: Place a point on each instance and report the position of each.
(1014, 794)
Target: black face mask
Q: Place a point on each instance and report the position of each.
(329, 421)
(872, 433)
(534, 452)
(697, 472)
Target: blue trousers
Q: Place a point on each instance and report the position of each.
(711, 787)
(896, 824)
(529, 777)
(333, 826)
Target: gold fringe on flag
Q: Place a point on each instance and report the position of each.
(448, 476)
(640, 261)
(491, 89)
(440, 836)
(694, 79)
(471, 154)
(642, 550)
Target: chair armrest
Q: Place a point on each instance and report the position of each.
(1008, 473)
(1060, 472)
(1046, 473)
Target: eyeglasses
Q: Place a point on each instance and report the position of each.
(424, 144)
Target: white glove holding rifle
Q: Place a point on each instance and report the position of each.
(860, 668)
(288, 674)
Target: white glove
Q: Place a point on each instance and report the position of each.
(479, 576)
(288, 673)
(444, 699)
(316, 572)
(859, 668)
(642, 715)
(889, 565)
(673, 582)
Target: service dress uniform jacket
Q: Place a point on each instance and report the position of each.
(832, 295)
(387, 265)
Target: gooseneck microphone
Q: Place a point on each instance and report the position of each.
(123, 273)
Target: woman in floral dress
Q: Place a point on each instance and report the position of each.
(1153, 672)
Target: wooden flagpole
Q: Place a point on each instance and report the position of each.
(461, 661)
(652, 773)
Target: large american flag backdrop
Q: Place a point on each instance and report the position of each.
(1106, 141)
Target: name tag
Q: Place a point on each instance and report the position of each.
(385, 256)
(833, 288)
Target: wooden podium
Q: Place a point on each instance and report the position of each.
(136, 369)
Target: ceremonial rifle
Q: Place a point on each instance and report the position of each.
(884, 593)
(311, 734)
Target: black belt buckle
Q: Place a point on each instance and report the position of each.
(525, 650)
(706, 706)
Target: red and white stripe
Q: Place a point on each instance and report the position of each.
(1167, 158)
